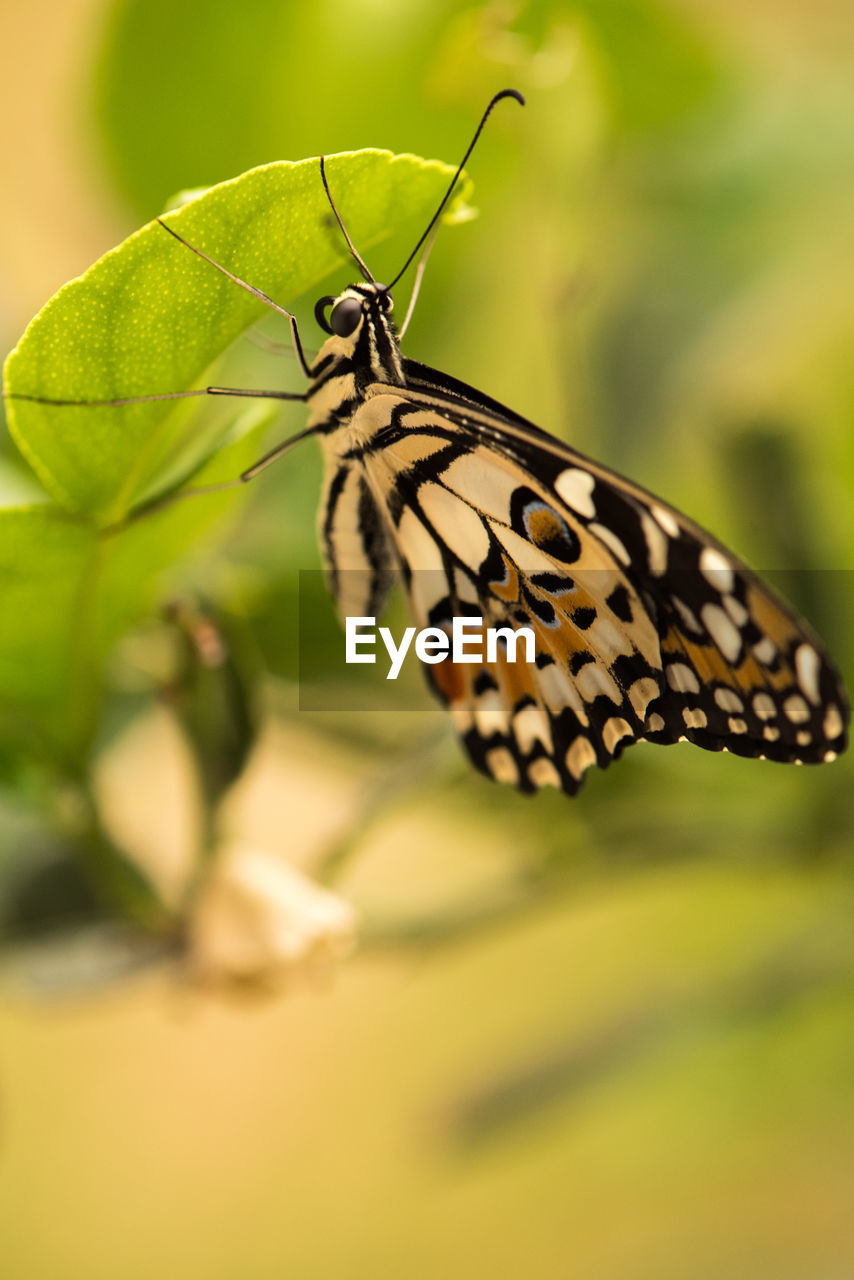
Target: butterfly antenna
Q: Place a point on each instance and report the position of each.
(419, 276)
(366, 275)
(505, 93)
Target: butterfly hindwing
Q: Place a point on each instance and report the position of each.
(358, 557)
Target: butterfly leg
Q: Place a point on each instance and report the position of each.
(249, 474)
(271, 346)
(161, 395)
(198, 491)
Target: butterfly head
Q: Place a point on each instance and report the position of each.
(361, 331)
(349, 311)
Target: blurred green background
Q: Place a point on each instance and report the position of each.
(610, 1037)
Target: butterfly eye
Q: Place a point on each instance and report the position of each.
(345, 317)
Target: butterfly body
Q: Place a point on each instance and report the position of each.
(646, 628)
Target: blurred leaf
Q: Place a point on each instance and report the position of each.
(83, 958)
(240, 86)
(17, 485)
(55, 895)
(656, 67)
(212, 695)
(58, 622)
(778, 985)
(151, 316)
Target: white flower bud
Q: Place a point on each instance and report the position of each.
(259, 920)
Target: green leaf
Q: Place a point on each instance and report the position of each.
(151, 316)
(43, 559)
(244, 84)
(68, 593)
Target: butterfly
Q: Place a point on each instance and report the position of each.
(646, 628)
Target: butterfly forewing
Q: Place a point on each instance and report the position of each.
(645, 627)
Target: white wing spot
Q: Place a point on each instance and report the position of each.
(736, 610)
(833, 723)
(642, 693)
(728, 699)
(655, 723)
(530, 726)
(723, 633)
(689, 618)
(765, 651)
(580, 756)
(796, 709)
(764, 706)
(611, 541)
(543, 773)
(681, 678)
(656, 544)
(501, 765)
(694, 717)
(808, 667)
(829, 757)
(666, 519)
(614, 730)
(804, 738)
(717, 570)
(461, 716)
(770, 734)
(489, 714)
(576, 488)
(558, 691)
(606, 637)
(737, 725)
(594, 679)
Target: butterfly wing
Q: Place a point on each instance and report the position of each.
(646, 628)
(740, 671)
(358, 555)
